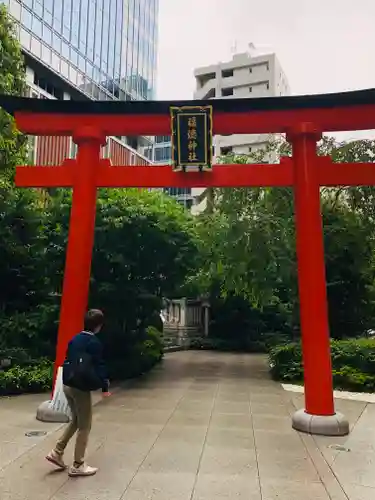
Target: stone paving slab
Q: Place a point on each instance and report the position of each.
(202, 426)
(17, 417)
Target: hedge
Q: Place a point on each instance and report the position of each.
(31, 379)
(265, 342)
(142, 358)
(35, 376)
(353, 364)
(18, 356)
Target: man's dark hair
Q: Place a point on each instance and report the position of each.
(93, 319)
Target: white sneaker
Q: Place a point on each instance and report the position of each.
(56, 459)
(82, 470)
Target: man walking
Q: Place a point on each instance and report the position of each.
(83, 371)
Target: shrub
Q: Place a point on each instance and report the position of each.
(261, 345)
(26, 375)
(353, 364)
(215, 344)
(16, 356)
(29, 379)
(286, 362)
(150, 351)
(35, 331)
(139, 357)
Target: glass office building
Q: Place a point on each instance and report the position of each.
(105, 48)
(161, 154)
(88, 49)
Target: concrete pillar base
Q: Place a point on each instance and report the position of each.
(335, 425)
(47, 413)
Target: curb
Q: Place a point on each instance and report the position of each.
(176, 349)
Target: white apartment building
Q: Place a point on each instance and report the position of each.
(246, 75)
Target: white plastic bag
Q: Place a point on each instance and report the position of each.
(59, 402)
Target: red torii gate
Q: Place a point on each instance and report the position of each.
(302, 118)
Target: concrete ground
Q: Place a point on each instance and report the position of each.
(202, 426)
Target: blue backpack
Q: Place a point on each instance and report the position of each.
(80, 373)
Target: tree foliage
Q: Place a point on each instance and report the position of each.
(12, 81)
(241, 253)
(24, 295)
(145, 246)
(248, 241)
(20, 232)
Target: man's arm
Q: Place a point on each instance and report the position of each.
(96, 351)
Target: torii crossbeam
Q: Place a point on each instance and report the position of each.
(303, 119)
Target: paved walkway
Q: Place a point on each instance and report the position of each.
(202, 426)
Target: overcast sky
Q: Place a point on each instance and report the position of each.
(323, 45)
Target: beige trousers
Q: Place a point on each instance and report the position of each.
(81, 407)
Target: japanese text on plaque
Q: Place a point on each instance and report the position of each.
(191, 137)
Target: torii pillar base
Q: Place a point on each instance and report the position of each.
(328, 425)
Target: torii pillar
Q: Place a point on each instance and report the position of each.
(76, 282)
(81, 238)
(319, 416)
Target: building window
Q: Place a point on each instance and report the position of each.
(45, 85)
(227, 73)
(47, 35)
(74, 60)
(227, 92)
(203, 79)
(178, 191)
(250, 70)
(162, 138)
(163, 154)
(148, 153)
(48, 9)
(268, 85)
(46, 54)
(210, 94)
(82, 63)
(250, 149)
(26, 18)
(65, 50)
(56, 42)
(226, 150)
(250, 89)
(37, 27)
(38, 8)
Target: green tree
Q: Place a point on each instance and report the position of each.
(23, 293)
(360, 199)
(249, 244)
(349, 270)
(12, 82)
(145, 246)
(20, 247)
